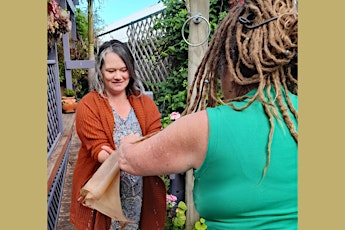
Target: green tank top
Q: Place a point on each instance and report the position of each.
(228, 190)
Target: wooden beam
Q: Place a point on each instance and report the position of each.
(198, 33)
(79, 64)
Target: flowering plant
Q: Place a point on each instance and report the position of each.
(171, 201)
(174, 116)
(169, 119)
(58, 21)
(176, 217)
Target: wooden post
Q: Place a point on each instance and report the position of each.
(91, 71)
(66, 51)
(67, 57)
(198, 32)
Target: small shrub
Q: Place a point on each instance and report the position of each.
(69, 93)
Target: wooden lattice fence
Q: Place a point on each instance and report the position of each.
(143, 42)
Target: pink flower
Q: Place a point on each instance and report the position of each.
(171, 198)
(174, 116)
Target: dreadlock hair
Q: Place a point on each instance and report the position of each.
(257, 43)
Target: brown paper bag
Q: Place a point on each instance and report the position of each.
(102, 191)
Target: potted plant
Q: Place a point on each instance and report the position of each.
(69, 102)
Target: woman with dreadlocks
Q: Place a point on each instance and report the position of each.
(243, 146)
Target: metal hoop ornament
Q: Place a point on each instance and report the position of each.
(196, 20)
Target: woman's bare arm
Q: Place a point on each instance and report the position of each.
(178, 148)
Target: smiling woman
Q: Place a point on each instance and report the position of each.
(115, 75)
(114, 108)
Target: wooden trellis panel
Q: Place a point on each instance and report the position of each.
(142, 40)
(54, 126)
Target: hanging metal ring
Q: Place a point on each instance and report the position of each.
(196, 19)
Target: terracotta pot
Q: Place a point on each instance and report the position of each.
(69, 104)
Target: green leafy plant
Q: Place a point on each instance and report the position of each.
(81, 24)
(171, 95)
(200, 225)
(180, 219)
(78, 51)
(69, 93)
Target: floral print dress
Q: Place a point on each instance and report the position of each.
(130, 186)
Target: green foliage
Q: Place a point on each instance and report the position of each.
(177, 220)
(69, 93)
(79, 81)
(166, 180)
(200, 225)
(82, 24)
(78, 51)
(180, 219)
(171, 95)
(97, 17)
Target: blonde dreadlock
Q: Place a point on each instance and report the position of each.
(257, 43)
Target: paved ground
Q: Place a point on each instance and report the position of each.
(64, 222)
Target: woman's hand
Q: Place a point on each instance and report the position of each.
(104, 153)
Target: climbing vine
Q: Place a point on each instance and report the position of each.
(171, 95)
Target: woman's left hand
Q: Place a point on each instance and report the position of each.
(107, 149)
(104, 153)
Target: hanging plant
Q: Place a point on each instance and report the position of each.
(58, 22)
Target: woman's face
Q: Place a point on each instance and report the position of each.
(115, 74)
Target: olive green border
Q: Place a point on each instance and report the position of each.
(23, 115)
(321, 115)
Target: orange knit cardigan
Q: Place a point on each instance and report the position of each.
(95, 127)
